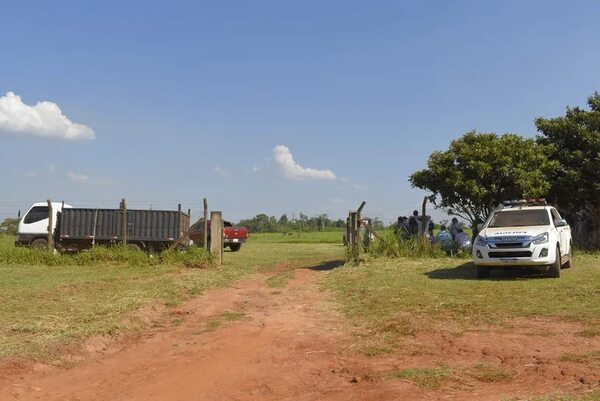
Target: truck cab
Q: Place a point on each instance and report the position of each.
(33, 227)
(524, 233)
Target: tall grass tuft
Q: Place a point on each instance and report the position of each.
(390, 246)
(117, 255)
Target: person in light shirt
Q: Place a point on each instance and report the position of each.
(462, 240)
(455, 226)
(444, 238)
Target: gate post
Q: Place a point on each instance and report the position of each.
(216, 237)
(205, 228)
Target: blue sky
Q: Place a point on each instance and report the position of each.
(188, 99)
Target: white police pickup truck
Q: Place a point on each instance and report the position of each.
(523, 233)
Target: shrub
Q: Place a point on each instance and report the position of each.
(390, 246)
(117, 255)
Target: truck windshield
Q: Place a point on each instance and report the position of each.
(520, 218)
(37, 213)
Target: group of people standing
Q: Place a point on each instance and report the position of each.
(407, 227)
(451, 238)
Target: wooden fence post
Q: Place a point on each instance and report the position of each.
(359, 233)
(50, 227)
(95, 226)
(354, 240)
(124, 222)
(216, 237)
(205, 237)
(423, 220)
(347, 242)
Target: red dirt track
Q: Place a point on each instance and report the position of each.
(291, 344)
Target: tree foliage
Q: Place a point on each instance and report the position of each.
(574, 141)
(9, 226)
(262, 223)
(480, 170)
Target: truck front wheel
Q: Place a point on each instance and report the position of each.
(554, 269)
(40, 244)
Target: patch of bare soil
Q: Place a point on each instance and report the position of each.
(528, 358)
(252, 342)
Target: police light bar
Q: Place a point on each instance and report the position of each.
(525, 202)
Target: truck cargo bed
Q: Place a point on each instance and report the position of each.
(106, 224)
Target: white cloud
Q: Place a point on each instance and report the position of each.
(30, 175)
(222, 172)
(45, 120)
(293, 170)
(78, 178)
(255, 169)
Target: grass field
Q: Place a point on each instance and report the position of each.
(6, 241)
(380, 295)
(45, 307)
(322, 237)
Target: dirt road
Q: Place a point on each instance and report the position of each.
(254, 342)
(248, 342)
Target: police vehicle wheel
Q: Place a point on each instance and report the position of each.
(483, 272)
(569, 262)
(554, 269)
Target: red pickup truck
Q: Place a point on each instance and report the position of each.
(233, 237)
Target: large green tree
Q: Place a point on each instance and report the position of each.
(480, 170)
(574, 142)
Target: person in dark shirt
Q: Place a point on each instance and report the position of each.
(413, 224)
(400, 228)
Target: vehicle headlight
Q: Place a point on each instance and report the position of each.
(480, 241)
(540, 239)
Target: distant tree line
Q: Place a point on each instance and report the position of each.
(562, 164)
(261, 223)
(9, 226)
